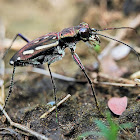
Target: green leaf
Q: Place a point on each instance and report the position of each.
(89, 133)
(126, 125)
(108, 132)
(101, 126)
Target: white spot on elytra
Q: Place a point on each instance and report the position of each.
(18, 58)
(11, 62)
(28, 52)
(54, 37)
(36, 41)
(47, 46)
(46, 37)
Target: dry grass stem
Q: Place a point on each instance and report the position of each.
(54, 107)
(115, 84)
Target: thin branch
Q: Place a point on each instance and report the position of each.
(46, 72)
(137, 134)
(22, 127)
(7, 131)
(123, 81)
(2, 95)
(2, 73)
(2, 32)
(115, 84)
(116, 79)
(55, 75)
(54, 107)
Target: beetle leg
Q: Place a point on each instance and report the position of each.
(10, 87)
(54, 90)
(20, 35)
(79, 63)
(23, 37)
(54, 58)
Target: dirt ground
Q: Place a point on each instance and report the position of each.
(33, 91)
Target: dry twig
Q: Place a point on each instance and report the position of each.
(137, 134)
(123, 82)
(54, 107)
(55, 75)
(116, 79)
(2, 69)
(46, 73)
(2, 64)
(115, 84)
(22, 127)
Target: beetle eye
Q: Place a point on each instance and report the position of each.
(84, 32)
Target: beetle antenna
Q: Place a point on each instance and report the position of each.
(115, 28)
(121, 43)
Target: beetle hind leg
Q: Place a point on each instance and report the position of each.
(10, 87)
(18, 35)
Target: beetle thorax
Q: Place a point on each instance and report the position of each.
(72, 45)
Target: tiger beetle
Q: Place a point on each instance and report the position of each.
(51, 48)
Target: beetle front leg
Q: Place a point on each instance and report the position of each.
(79, 63)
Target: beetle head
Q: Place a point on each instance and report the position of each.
(84, 31)
(88, 35)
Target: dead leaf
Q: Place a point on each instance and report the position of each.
(117, 105)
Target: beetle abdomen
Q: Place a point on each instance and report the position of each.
(36, 47)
